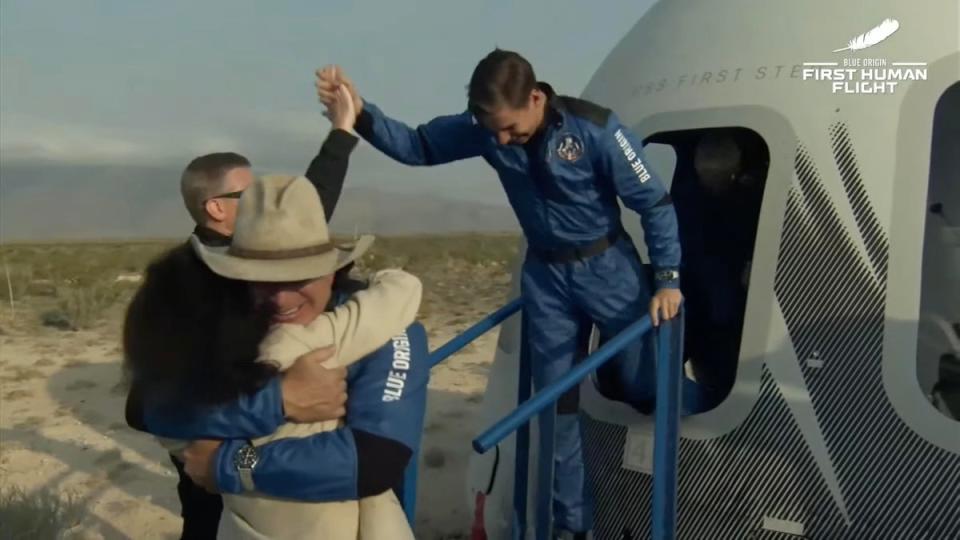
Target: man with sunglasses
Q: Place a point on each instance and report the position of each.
(212, 184)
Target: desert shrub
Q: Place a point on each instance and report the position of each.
(80, 263)
(20, 279)
(424, 253)
(75, 285)
(83, 305)
(40, 515)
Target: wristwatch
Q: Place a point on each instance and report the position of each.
(667, 275)
(245, 460)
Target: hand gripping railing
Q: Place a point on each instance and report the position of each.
(666, 426)
(549, 395)
(666, 419)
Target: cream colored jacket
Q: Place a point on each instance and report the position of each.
(357, 328)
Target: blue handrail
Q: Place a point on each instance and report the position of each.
(409, 489)
(546, 426)
(666, 420)
(490, 321)
(666, 429)
(552, 393)
(521, 459)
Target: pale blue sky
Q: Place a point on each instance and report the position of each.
(158, 82)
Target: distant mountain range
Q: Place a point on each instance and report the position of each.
(44, 201)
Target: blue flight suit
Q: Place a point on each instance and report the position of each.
(321, 467)
(563, 187)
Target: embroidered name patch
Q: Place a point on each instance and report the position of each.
(397, 378)
(628, 152)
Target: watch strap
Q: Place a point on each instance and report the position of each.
(246, 479)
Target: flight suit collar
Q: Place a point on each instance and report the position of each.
(555, 107)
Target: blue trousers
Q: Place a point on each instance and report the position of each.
(561, 303)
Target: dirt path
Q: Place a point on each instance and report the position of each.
(62, 427)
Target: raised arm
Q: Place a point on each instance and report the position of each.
(441, 140)
(328, 170)
(388, 393)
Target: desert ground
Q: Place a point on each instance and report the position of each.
(63, 439)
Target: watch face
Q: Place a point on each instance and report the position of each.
(246, 457)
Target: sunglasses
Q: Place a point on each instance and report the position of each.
(230, 195)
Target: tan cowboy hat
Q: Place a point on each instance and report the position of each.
(280, 235)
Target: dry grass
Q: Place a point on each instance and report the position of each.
(464, 276)
(70, 286)
(39, 515)
(83, 306)
(74, 286)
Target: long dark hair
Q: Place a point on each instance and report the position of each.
(192, 334)
(502, 78)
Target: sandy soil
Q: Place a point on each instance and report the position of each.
(62, 427)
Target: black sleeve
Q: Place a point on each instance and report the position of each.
(133, 409)
(328, 170)
(381, 463)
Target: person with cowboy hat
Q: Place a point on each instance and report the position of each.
(211, 185)
(281, 247)
(365, 457)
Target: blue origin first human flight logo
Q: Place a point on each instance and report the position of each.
(856, 75)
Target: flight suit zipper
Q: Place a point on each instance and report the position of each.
(536, 168)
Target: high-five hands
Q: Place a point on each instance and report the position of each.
(331, 81)
(341, 109)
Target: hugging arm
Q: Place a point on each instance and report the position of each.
(388, 392)
(250, 416)
(328, 170)
(370, 317)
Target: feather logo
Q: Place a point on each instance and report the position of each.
(873, 36)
